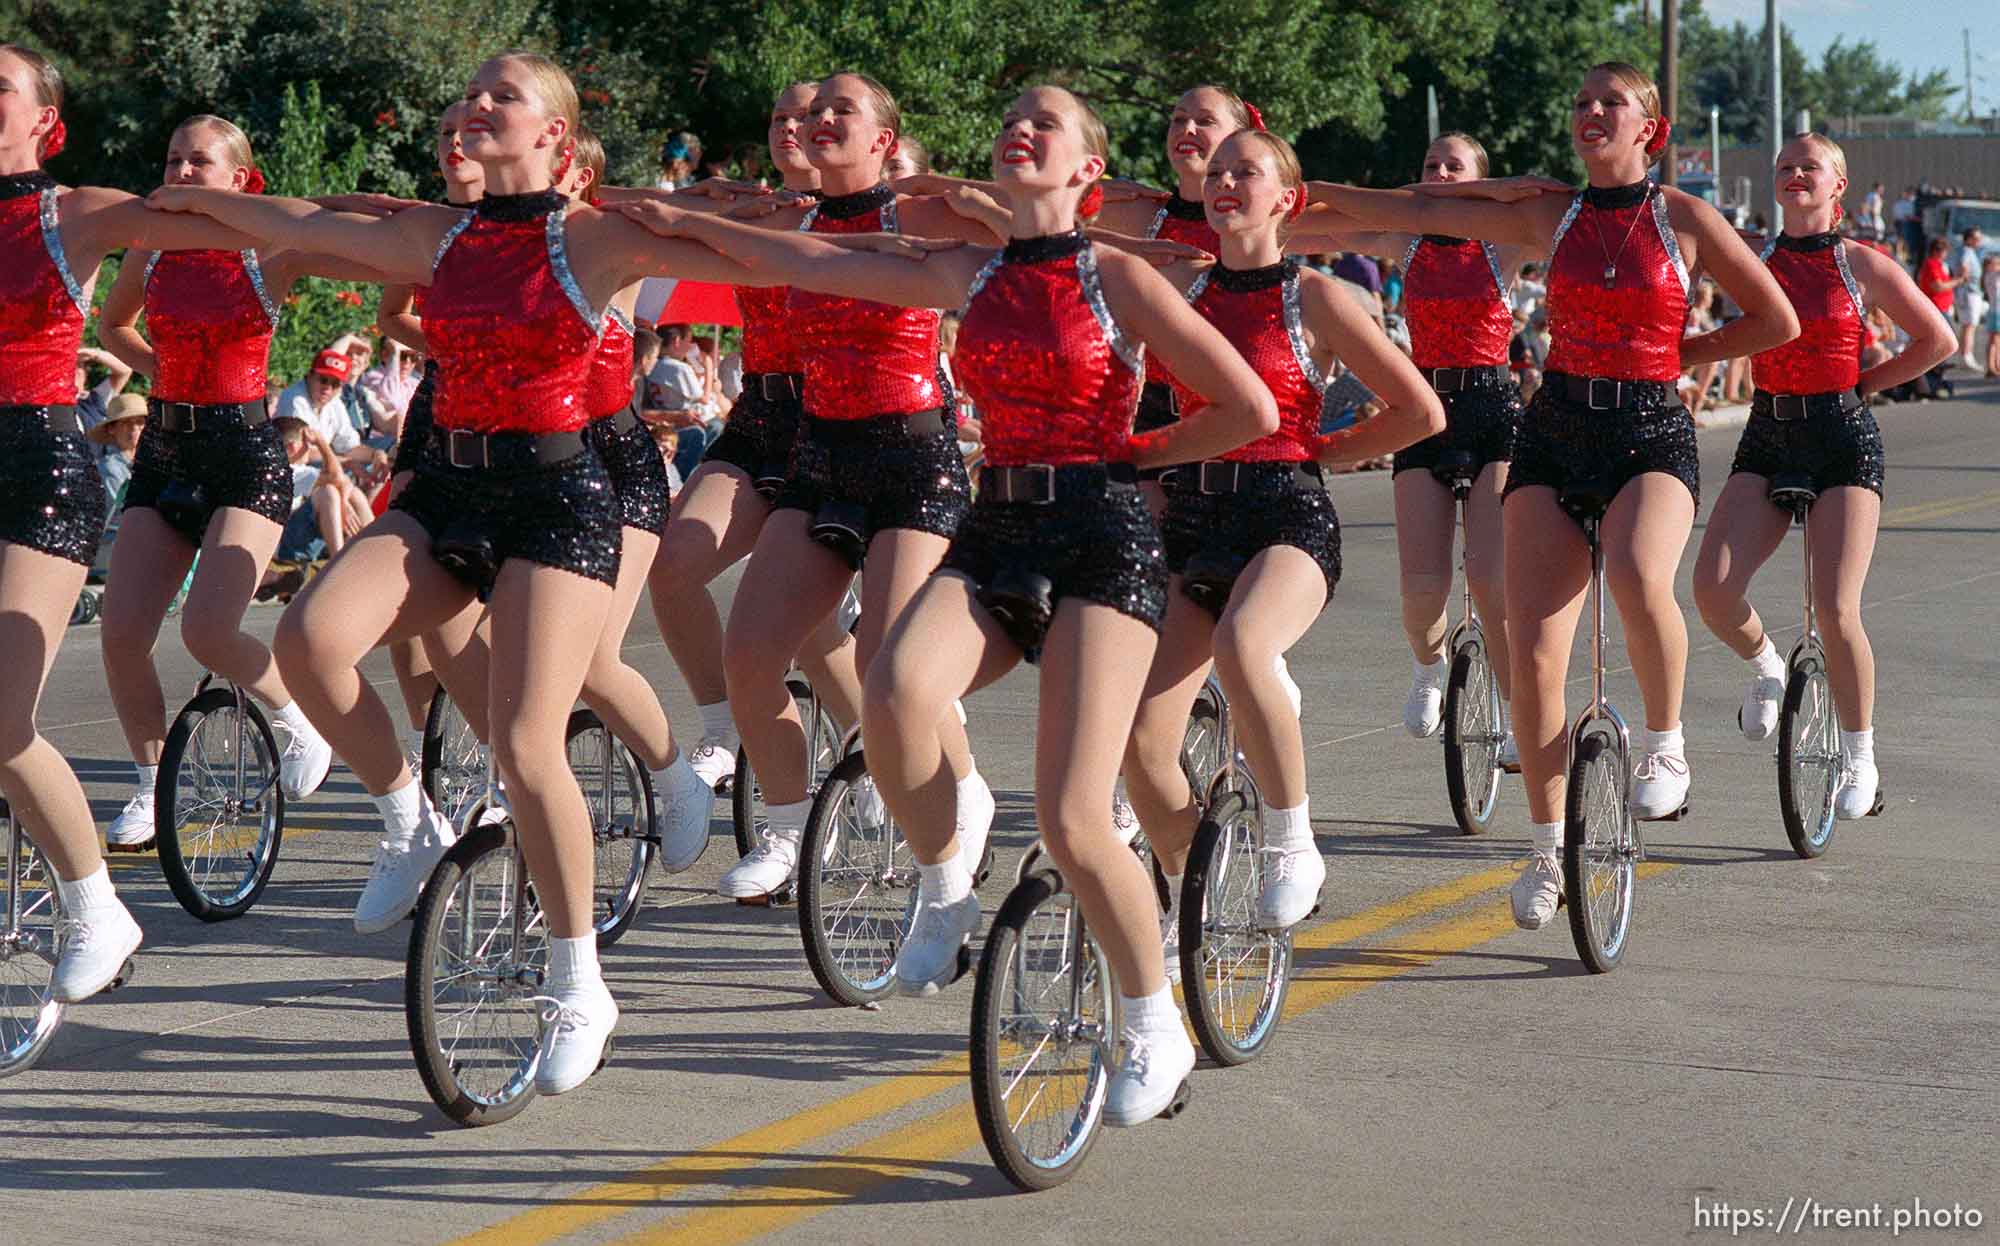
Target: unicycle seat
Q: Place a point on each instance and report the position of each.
(1456, 470)
(1794, 492)
(1586, 498)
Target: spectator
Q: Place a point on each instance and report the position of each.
(1969, 301)
(1392, 288)
(1990, 287)
(316, 403)
(1903, 216)
(1529, 292)
(1360, 270)
(675, 388)
(1700, 319)
(329, 506)
(680, 156)
(1870, 216)
(1932, 278)
(371, 415)
(910, 158)
(392, 382)
(1528, 351)
(117, 438)
(93, 400)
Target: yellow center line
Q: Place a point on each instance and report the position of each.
(1926, 511)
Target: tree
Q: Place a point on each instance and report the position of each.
(301, 162)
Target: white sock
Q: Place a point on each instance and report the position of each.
(972, 790)
(1432, 673)
(291, 717)
(402, 811)
(1668, 741)
(716, 721)
(573, 962)
(789, 821)
(1155, 1012)
(1766, 662)
(1548, 837)
(92, 892)
(149, 777)
(1173, 894)
(959, 708)
(1858, 745)
(1290, 829)
(948, 881)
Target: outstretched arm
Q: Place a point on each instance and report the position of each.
(1486, 210)
(97, 221)
(399, 247)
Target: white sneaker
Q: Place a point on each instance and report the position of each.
(303, 763)
(1150, 1075)
(869, 811)
(1856, 794)
(1291, 686)
(1290, 891)
(1537, 892)
(396, 878)
(95, 946)
(683, 802)
(972, 824)
(1759, 716)
(576, 1024)
(1124, 820)
(1660, 785)
(1170, 944)
(714, 760)
(770, 865)
(1423, 710)
(928, 959)
(1510, 753)
(132, 830)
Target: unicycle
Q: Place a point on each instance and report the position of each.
(1473, 726)
(618, 791)
(823, 749)
(1601, 844)
(477, 963)
(1234, 973)
(30, 942)
(453, 764)
(219, 807)
(1809, 757)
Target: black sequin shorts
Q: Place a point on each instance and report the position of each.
(415, 438)
(1835, 450)
(1484, 422)
(1245, 524)
(638, 471)
(55, 500)
(1157, 409)
(562, 515)
(1562, 444)
(900, 480)
(236, 467)
(1103, 548)
(758, 436)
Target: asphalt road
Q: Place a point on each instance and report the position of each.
(1783, 1034)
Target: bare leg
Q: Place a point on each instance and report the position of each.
(715, 521)
(941, 647)
(238, 547)
(1426, 519)
(537, 672)
(827, 658)
(1548, 569)
(1154, 782)
(149, 560)
(414, 679)
(1275, 600)
(1486, 568)
(620, 695)
(1744, 530)
(37, 593)
(1844, 521)
(900, 561)
(460, 650)
(1645, 532)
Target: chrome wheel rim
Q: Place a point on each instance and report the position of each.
(1052, 1061)
(225, 830)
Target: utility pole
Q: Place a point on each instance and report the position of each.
(1777, 115)
(1967, 33)
(1431, 107)
(1670, 83)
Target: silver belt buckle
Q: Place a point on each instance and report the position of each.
(456, 437)
(1220, 467)
(1590, 394)
(1043, 474)
(179, 414)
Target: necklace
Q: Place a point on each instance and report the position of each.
(1611, 257)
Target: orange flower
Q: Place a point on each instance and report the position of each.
(349, 297)
(386, 119)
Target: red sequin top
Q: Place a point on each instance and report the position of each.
(862, 359)
(611, 370)
(1054, 378)
(1184, 221)
(768, 343)
(1456, 303)
(1628, 327)
(41, 304)
(512, 333)
(1826, 355)
(210, 320)
(1257, 310)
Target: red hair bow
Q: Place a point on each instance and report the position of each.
(1658, 143)
(254, 183)
(52, 142)
(1092, 202)
(1256, 116)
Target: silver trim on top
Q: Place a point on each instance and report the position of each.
(1122, 344)
(1493, 263)
(1295, 329)
(979, 280)
(450, 236)
(255, 272)
(1159, 223)
(1667, 238)
(52, 242)
(617, 313)
(557, 233)
(1569, 218)
(1847, 279)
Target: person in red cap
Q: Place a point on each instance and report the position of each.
(316, 401)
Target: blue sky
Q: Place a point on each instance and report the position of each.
(1914, 35)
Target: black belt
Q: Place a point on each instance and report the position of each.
(464, 448)
(775, 386)
(1230, 476)
(1044, 483)
(1450, 380)
(835, 432)
(60, 417)
(1788, 407)
(626, 419)
(1603, 393)
(188, 417)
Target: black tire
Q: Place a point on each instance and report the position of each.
(1472, 738)
(746, 803)
(453, 765)
(1599, 854)
(488, 1077)
(861, 881)
(1808, 757)
(1002, 1018)
(204, 825)
(29, 1013)
(618, 791)
(1227, 961)
(1202, 744)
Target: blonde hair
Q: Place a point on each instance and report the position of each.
(1830, 149)
(1633, 79)
(48, 83)
(235, 143)
(1232, 102)
(1478, 149)
(1290, 173)
(915, 152)
(589, 155)
(887, 112)
(550, 81)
